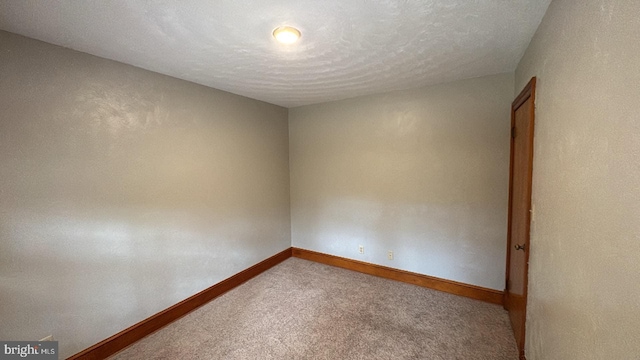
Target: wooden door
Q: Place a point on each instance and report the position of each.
(520, 178)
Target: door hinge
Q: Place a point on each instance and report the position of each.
(513, 132)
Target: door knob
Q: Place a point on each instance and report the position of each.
(519, 247)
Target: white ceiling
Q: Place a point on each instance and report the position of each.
(348, 48)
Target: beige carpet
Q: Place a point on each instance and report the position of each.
(304, 310)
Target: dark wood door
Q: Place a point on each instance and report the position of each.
(520, 178)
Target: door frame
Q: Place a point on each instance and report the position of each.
(529, 92)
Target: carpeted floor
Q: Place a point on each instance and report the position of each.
(304, 310)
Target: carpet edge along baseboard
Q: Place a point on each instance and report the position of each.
(449, 286)
(147, 326)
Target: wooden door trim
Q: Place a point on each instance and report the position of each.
(529, 92)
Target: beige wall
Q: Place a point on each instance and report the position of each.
(125, 191)
(422, 172)
(584, 289)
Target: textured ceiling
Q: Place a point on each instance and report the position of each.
(348, 48)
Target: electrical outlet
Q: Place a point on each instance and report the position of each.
(48, 338)
(361, 249)
(390, 255)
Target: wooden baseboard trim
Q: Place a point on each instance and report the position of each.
(145, 327)
(449, 286)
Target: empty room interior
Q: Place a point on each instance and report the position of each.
(320, 179)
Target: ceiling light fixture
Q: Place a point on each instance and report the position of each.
(286, 34)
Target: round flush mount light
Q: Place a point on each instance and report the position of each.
(286, 34)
